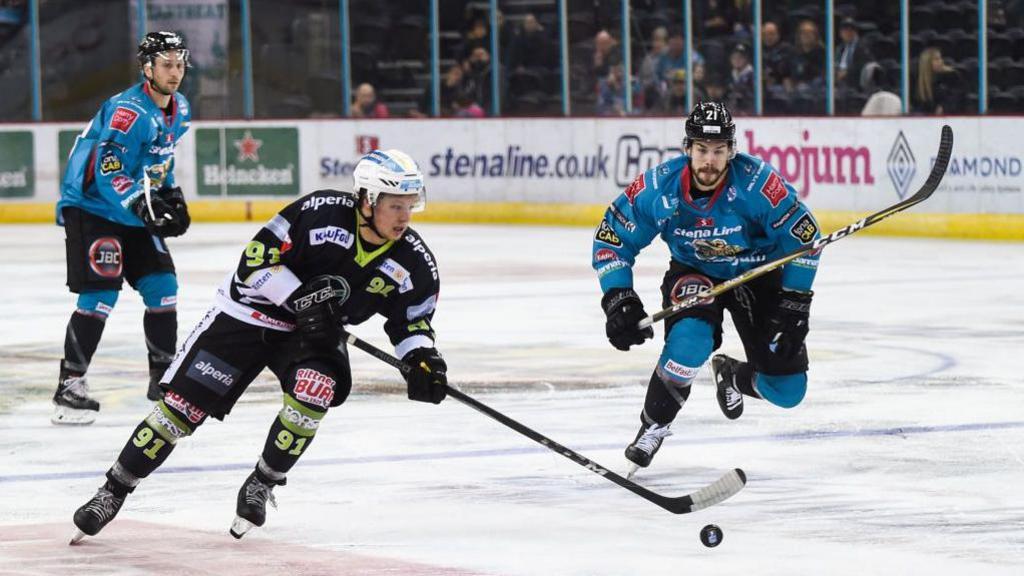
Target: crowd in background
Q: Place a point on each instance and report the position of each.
(86, 53)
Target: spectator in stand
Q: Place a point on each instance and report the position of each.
(453, 85)
(531, 47)
(673, 58)
(477, 36)
(741, 81)
(715, 89)
(465, 107)
(717, 18)
(477, 75)
(939, 87)
(882, 102)
(652, 85)
(851, 55)
(674, 101)
(605, 55)
(611, 98)
(365, 104)
(809, 60)
(777, 56)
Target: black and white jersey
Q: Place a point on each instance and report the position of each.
(319, 234)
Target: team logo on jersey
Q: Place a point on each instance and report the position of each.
(607, 235)
(313, 387)
(714, 250)
(635, 188)
(804, 229)
(690, 285)
(332, 234)
(774, 189)
(123, 119)
(105, 257)
(110, 163)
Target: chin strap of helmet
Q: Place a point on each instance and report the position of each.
(368, 220)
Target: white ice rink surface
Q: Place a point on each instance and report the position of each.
(906, 457)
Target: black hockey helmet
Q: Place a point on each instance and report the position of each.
(710, 121)
(156, 42)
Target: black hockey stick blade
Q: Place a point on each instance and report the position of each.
(728, 485)
(922, 194)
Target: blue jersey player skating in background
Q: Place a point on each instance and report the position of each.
(118, 202)
(721, 213)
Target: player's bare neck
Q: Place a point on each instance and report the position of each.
(161, 100)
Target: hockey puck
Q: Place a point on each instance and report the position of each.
(711, 535)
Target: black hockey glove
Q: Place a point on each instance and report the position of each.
(624, 310)
(317, 306)
(428, 379)
(787, 326)
(170, 215)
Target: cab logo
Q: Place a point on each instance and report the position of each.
(110, 163)
(804, 229)
(607, 235)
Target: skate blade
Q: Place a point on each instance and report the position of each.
(631, 471)
(76, 537)
(64, 416)
(240, 526)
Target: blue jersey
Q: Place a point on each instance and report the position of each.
(128, 135)
(752, 217)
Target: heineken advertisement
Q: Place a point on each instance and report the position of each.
(17, 178)
(247, 161)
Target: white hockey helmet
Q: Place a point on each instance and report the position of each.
(389, 172)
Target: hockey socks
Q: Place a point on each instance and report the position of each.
(161, 328)
(80, 342)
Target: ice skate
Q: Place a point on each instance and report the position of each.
(252, 503)
(645, 446)
(96, 513)
(72, 404)
(730, 399)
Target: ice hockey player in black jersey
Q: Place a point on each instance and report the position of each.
(327, 260)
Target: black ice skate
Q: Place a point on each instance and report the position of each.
(97, 512)
(730, 399)
(72, 404)
(645, 446)
(252, 503)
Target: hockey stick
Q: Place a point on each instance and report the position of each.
(728, 485)
(922, 194)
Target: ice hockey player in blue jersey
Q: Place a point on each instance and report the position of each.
(118, 202)
(721, 213)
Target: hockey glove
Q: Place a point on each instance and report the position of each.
(788, 324)
(169, 215)
(624, 310)
(428, 379)
(317, 306)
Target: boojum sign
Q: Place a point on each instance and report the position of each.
(802, 166)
